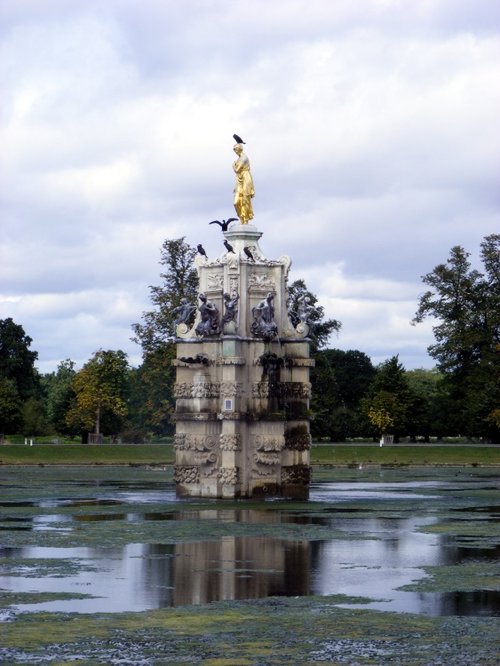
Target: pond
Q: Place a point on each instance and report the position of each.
(89, 540)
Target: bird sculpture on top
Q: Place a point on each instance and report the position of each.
(249, 254)
(201, 250)
(225, 223)
(228, 247)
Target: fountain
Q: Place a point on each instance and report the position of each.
(242, 375)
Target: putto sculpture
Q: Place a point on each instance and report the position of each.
(184, 311)
(263, 325)
(231, 310)
(209, 322)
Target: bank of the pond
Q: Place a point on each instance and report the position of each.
(338, 455)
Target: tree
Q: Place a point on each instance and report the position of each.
(321, 329)
(383, 407)
(34, 417)
(17, 360)
(10, 406)
(153, 401)
(60, 396)
(426, 400)
(340, 380)
(390, 397)
(180, 280)
(100, 389)
(466, 304)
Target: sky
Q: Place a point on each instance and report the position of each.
(371, 126)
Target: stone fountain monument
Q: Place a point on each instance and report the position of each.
(242, 371)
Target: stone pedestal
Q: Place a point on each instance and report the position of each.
(242, 393)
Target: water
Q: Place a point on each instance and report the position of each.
(379, 545)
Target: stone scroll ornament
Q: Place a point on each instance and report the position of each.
(268, 450)
(209, 323)
(263, 325)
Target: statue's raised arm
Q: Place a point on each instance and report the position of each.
(243, 190)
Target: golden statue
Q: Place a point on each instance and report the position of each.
(243, 190)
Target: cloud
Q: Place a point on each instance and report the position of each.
(371, 128)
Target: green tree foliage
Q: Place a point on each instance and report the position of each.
(426, 401)
(322, 328)
(381, 412)
(60, 396)
(466, 304)
(340, 380)
(152, 385)
(101, 392)
(152, 403)
(17, 361)
(11, 406)
(180, 280)
(390, 397)
(19, 380)
(34, 417)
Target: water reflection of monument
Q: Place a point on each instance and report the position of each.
(232, 567)
(242, 386)
(240, 568)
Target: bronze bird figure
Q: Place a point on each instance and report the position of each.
(247, 251)
(225, 223)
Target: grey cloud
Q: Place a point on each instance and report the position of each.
(370, 128)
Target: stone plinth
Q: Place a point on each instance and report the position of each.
(242, 393)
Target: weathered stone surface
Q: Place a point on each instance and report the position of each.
(230, 442)
(296, 475)
(237, 389)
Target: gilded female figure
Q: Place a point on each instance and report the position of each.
(243, 190)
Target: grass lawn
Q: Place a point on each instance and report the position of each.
(324, 454)
(421, 454)
(86, 454)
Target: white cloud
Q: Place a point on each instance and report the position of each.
(371, 129)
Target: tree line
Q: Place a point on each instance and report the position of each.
(352, 398)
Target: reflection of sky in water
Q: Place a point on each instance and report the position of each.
(327, 492)
(376, 567)
(384, 554)
(116, 578)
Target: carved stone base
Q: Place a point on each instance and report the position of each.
(298, 475)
